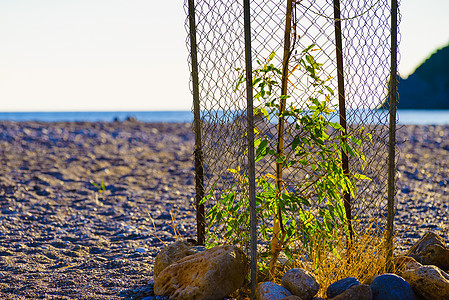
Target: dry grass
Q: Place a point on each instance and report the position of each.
(365, 258)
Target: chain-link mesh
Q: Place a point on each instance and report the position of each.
(221, 63)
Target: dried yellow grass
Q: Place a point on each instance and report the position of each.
(365, 258)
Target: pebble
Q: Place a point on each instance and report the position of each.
(340, 286)
(391, 287)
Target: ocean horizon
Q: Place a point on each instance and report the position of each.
(406, 117)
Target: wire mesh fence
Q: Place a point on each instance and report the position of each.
(311, 31)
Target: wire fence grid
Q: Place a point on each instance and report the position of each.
(220, 61)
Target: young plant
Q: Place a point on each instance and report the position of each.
(101, 187)
(311, 210)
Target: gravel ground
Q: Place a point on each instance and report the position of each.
(64, 235)
(423, 183)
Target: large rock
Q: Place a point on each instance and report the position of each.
(340, 286)
(300, 283)
(429, 282)
(173, 253)
(431, 249)
(391, 287)
(402, 263)
(271, 291)
(211, 274)
(355, 292)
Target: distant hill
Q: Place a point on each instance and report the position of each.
(428, 86)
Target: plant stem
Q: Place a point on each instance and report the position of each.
(276, 244)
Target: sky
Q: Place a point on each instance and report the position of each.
(112, 55)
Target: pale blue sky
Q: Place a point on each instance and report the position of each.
(131, 54)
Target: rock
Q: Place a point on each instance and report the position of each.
(431, 249)
(300, 283)
(210, 274)
(171, 254)
(355, 292)
(271, 291)
(428, 281)
(196, 249)
(391, 287)
(340, 286)
(403, 263)
(141, 250)
(405, 190)
(292, 297)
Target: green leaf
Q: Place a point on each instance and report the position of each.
(261, 149)
(280, 159)
(296, 142)
(310, 60)
(256, 81)
(240, 81)
(347, 149)
(356, 141)
(370, 137)
(265, 113)
(308, 48)
(336, 126)
(361, 177)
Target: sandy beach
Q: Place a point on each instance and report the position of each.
(85, 207)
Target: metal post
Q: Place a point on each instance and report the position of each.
(392, 132)
(251, 159)
(342, 107)
(198, 152)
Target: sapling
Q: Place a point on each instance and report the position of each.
(312, 208)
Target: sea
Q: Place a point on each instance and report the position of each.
(406, 117)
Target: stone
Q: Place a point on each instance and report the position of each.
(431, 249)
(429, 282)
(171, 254)
(271, 291)
(210, 274)
(300, 283)
(141, 250)
(391, 287)
(196, 249)
(403, 263)
(355, 292)
(340, 286)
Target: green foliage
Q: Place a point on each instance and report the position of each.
(312, 210)
(101, 187)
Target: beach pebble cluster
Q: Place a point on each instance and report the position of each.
(86, 207)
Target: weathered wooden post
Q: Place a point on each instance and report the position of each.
(198, 152)
(392, 131)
